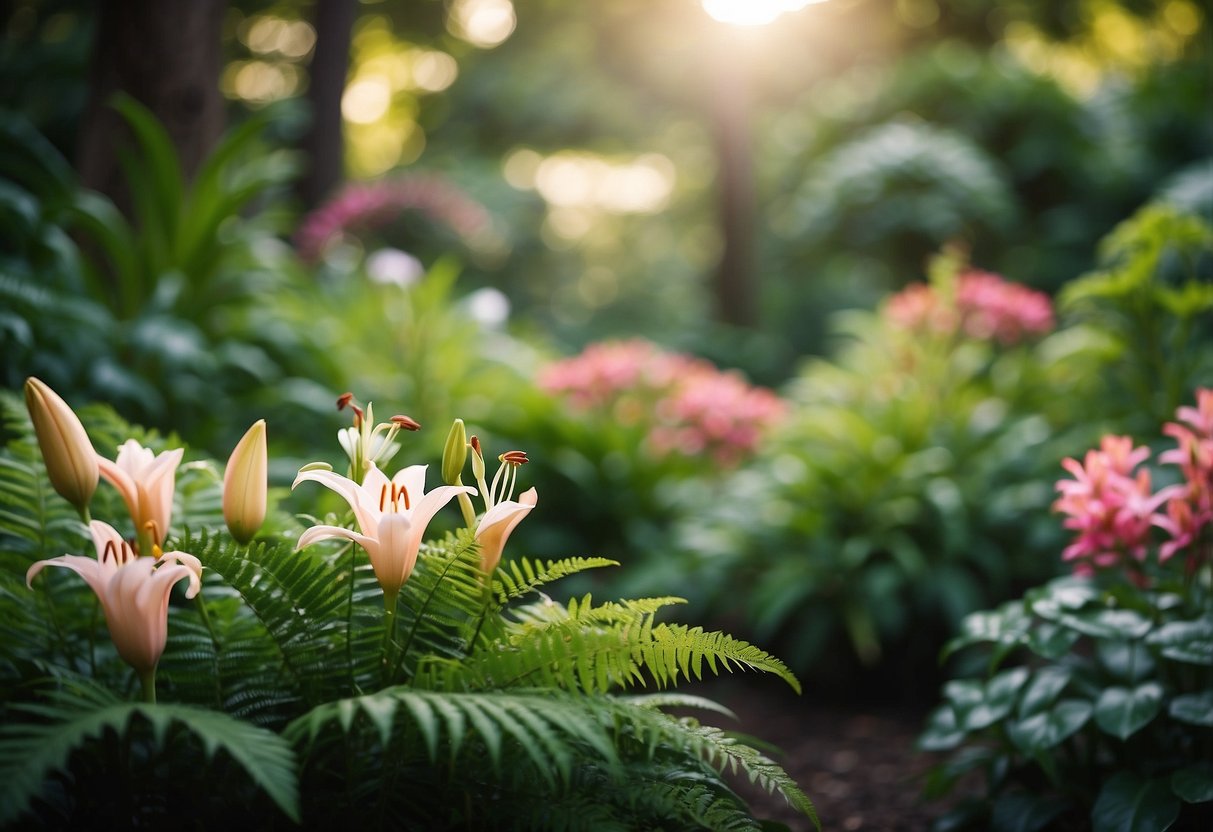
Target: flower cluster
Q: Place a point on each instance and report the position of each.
(369, 205)
(133, 580)
(984, 306)
(686, 404)
(1112, 506)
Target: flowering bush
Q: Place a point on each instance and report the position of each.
(982, 305)
(352, 672)
(900, 491)
(680, 404)
(365, 206)
(1105, 713)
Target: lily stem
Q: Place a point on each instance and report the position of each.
(389, 634)
(469, 513)
(148, 681)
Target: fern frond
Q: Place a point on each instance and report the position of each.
(301, 600)
(726, 753)
(550, 729)
(522, 576)
(30, 750)
(652, 731)
(583, 653)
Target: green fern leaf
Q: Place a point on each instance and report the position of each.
(32, 750)
(521, 576)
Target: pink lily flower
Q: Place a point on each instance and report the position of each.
(392, 517)
(497, 524)
(133, 591)
(146, 482)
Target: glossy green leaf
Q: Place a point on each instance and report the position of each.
(1117, 624)
(1186, 641)
(1051, 641)
(1025, 812)
(980, 705)
(1129, 803)
(1128, 661)
(1123, 712)
(1046, 729)
(943, 732)
(1043, 689)
(1193, 708)
(1194, 784)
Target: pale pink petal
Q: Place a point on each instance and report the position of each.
(397, 552)
(317, 533)
(95, 573)
(497, 524)
(346, 488)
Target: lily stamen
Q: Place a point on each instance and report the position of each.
(154, 531)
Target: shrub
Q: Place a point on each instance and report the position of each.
(1096, 700)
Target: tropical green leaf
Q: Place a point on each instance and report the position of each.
(1045, 729)
(31, 750)
(1129, 803)
(1123, 712)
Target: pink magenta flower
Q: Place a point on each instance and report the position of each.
(686, 405)
(392, 517)
(146, 482)
(368, 205)
(1111, 507)
(1187, 517)
(133, 591)
(985, 307)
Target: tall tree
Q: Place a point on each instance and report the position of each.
(167, 54)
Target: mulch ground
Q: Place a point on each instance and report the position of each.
(857, 762)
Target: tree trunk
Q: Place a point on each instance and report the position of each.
(736, 283)
(323, 142)
(167, 55)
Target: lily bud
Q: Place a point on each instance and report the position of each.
(71, 462)
(245, 482)
(455, 454)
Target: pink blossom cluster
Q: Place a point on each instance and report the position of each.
(363, 206)
(985, 307)
(687, 405)
(1111, 504)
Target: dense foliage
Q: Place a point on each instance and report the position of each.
(1097, 694)
(315, 687)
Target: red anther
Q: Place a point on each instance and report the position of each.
(358, 415)
(110, 551)
(383, 496)
(515, 457)
(396, 495)
(344, 400)
(406, 422)
(475, 443)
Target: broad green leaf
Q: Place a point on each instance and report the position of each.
(1186, 641)
(1046, 729)
(980, 705)
(1194, 783)
(1123, 712)
(1128, 661)
(1116, 624)
(1193, 708)
(1129, 803)
(1051, 641)
(943, 732)
(1043, 689)
(1025, 812)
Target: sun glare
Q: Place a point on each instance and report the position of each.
(752, 12)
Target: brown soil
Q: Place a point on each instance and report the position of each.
(857, 763)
